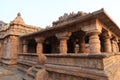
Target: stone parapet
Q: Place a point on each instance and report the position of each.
(63, 72)
(102, 66)
(79, 60)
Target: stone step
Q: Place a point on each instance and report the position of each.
(32, 74)
(22, 69)
(28, 61)
(27, 78)
(25, 63)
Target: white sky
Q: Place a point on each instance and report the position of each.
(43, 12)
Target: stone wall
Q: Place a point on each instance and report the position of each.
(58, 76)
(78, 60)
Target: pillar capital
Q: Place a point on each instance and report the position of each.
(1, 41)
(25, 42)
(115, 39)
(63, 35)
(40, 39)
(93, 32)
(106, 35)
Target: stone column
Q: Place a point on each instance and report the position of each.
(39, 41)
(94, 42)
(25, 46)
(119, 45)
(1, 51)
(63, 45)
(116, 43)
(41, 57)
(82, 48)
(63, 37)
(115, 47)
(107, 44)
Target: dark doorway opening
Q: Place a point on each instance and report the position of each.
(47, 47)
(32, 46)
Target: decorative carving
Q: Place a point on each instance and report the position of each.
(41, 59)
(42, 75)
(19, 14)
(67, 17)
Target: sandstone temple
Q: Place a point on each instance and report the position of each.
(78, 46)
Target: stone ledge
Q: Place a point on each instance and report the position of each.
(5, 58)
(77, 71)
(80, 55)
(27, 54)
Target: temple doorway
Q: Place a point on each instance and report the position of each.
(32, 46)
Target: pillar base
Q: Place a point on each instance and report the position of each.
(9, 63)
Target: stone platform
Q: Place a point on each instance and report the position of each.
(10, 74)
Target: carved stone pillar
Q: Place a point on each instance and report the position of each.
(1, 50)
(107, 44)
(115, 47)
(63, 37)
(94, 42)
(82, 48)
(25, 46)
(39, 41)
(119, 45)
(41, 57)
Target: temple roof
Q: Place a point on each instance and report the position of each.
(18, 19)
(100, 14)
(2, 24)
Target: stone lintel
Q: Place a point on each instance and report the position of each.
(92, 26)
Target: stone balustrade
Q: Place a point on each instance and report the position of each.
(93, 61)
(77, 65)
(28, 56)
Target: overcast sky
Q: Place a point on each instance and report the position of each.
(43, 12)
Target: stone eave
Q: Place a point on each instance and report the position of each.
(95, 15)
(58, 27)
(3, 37)
(25, 25)
(108, 21)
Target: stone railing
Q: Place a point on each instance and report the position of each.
(81, 60)
(88, 66)
(28, 56)
(91, 61)
(26, 60)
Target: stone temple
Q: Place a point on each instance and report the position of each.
(78, 46)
